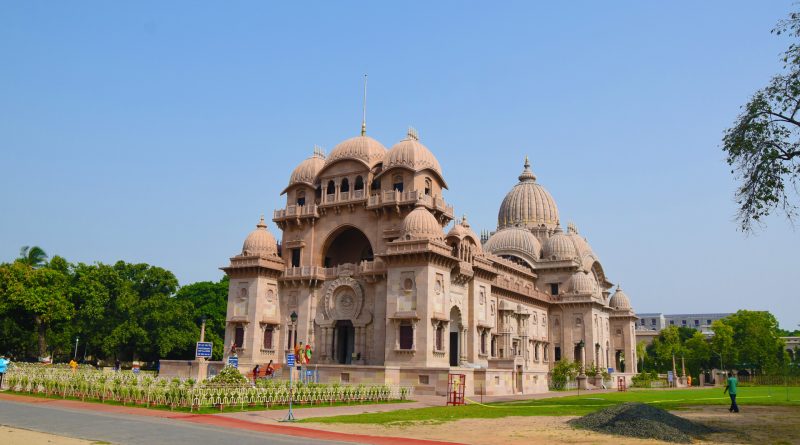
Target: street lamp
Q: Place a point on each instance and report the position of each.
(75, 355)
(290, 415)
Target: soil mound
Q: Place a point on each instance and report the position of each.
(642, 421)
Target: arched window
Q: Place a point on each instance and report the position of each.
(428, 186)
(301, 198)
(345, 187)
(318, 193)
(359, 183)
(331, 188)
(238, 336)
(398, 183)
(268, 331)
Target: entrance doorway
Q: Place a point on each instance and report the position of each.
(455, 325)
(519, 379)
(344, 341)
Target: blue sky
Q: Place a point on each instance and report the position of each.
(160, 131)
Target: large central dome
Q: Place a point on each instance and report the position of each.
(528, 204)
(360, 148)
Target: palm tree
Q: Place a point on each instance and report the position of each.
(33, 256)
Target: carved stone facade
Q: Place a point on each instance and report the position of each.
(383, 295)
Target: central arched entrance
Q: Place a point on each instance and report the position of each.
(344, 340)
(455, 326)
(347, 245)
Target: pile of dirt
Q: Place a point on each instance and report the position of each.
(643, 421)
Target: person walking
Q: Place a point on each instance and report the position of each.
(256, 370)
(730, 388)
(4, 361)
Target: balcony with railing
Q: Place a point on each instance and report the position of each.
(330, 273)
(296, 211)
(396, 197)
(343, 197)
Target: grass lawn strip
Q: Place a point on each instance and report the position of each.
(573, 405)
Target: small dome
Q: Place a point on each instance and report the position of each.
(421, 224)
(583, 283)
(306, 172)
(461, 230)
(411, 154)
(619, 300)
(559, 247)
(360, 148)
(581, 245)
(260, 242)
(528, 204)
(515, 241)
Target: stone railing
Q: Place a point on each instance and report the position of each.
(408, 198)
(296, 211)
(344, 197)
(327, 273)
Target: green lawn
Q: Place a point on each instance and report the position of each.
(576, 405)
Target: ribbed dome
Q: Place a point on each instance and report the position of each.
(581, 245)
(463, 230)
(583, 283)
(619, 300)
(528, 204)
(411, 154)
(421, 224)
(514, 241)
(559, 247)
(260, 242)
(306, 172)
(360, 148)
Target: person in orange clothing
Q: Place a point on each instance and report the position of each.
(73, 365)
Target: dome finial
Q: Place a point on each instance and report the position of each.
(412, 133)
(527, 174)
(261, 224)
(364, 109)
(464, 220)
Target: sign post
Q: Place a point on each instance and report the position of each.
(290, 365)
(233, 361)
(203, 349)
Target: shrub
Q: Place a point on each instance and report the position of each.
(644, 379)
(563, 371)
(229, 376)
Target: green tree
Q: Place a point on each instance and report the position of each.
(722, 344)
(756, 340)
(210, 300)
(668, 344)
(38, 294)
(763, 145)
(33, 256)
(641, 352)
(698, 354)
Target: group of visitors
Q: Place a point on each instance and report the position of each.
(267, 372)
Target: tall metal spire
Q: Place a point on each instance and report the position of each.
(364, 118)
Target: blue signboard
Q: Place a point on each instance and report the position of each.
(203, 349)
(233, 361)
(290, 360)
(670, 376)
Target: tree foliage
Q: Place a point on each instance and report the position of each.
(763, 145)
(122, 311)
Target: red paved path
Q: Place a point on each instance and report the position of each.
(223, 422)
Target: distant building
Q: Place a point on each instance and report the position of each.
(650, 325)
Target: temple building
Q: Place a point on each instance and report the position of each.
(383, 294)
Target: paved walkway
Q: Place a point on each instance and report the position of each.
(132, 425)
